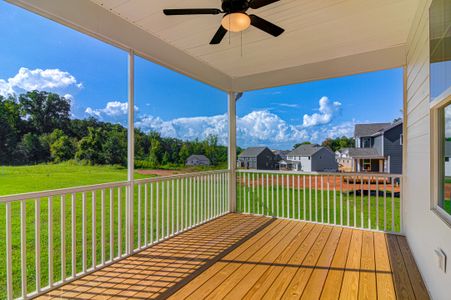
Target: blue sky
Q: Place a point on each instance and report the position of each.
(39, 54)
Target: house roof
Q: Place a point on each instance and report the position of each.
(198, 157)
(305, 150)
(362, 153)
(252, 151)
(375, 39)
(363, 130)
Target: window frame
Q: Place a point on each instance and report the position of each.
(437, 159)
(437, 106)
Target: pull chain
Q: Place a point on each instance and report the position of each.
(241, 44)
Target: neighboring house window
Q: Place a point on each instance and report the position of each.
(440, 97)
(400, 139)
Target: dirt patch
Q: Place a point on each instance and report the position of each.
(160, 172)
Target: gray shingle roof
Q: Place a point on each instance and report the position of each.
(305, 150)
(361, 130)
(252, 151)
(199, 157)
(363, 153)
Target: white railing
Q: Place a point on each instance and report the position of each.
(54, 237)
(359, 200)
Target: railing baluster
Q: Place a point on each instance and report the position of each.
(9, 269)
(151, 213)
(172, 207)
(178, 205)
(163, 200)
(94, 233)
(283, 197)
(293, 194)
(355, 202)
(299, 197)
(392, 205)
(304, 216)
(361, 202)
(50, 239)
(369, 202)
(146, 228)
(310, 198)
(37, 242)
(73, 235)
(190, 213)
(157, 226)
(102, 226)
(267, 195)
(111, 225)
(167, 211)
(377, 203)
(139, 216)
(23, 247)
(119, 222)
(272, 195)
(316, 198)
(322, 199)
(63, 238)
(341, 199)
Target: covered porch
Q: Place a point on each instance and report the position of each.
(232, 234)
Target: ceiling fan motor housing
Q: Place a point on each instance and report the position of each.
(232, 6)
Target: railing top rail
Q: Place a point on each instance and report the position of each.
(64, 191)
(178, 176)
(385, 175)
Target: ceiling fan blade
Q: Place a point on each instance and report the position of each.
(219, 35)
(266, 26)
(191, 11)
(260, 3)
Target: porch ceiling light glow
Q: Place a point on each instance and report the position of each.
(236, 22)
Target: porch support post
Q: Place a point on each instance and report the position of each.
(130, 151)
(232, 150)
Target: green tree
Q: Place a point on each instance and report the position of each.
(166, 158)
(90, 148)
(115, 148)
(11, 126)
(32, 149)
(183, 153)
(62, 149)
(45, 111)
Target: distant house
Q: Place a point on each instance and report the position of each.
(197, 160)
(259, 158)
(311, 158)
(378, 148)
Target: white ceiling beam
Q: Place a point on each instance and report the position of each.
(355, 64)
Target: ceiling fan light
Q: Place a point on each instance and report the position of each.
(236, 22)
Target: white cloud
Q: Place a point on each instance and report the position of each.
(37, 79)
(113, 109)
(327, 110)
(256, 128)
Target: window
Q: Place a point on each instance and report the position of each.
(440, 96)
(401, 136)
(440, 48)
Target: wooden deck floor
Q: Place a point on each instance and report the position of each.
(250, 257)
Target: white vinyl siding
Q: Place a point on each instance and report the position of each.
(425, 231)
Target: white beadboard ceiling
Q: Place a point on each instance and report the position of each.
(321, 37)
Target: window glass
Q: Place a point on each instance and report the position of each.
(440, 48)
(444, 201)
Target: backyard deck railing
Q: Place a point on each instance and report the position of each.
(54, 237)
(359, 200)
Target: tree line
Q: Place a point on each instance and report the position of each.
(36, 127)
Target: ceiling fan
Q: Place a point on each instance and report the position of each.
(235, 18)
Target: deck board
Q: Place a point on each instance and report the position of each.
(253, 257)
